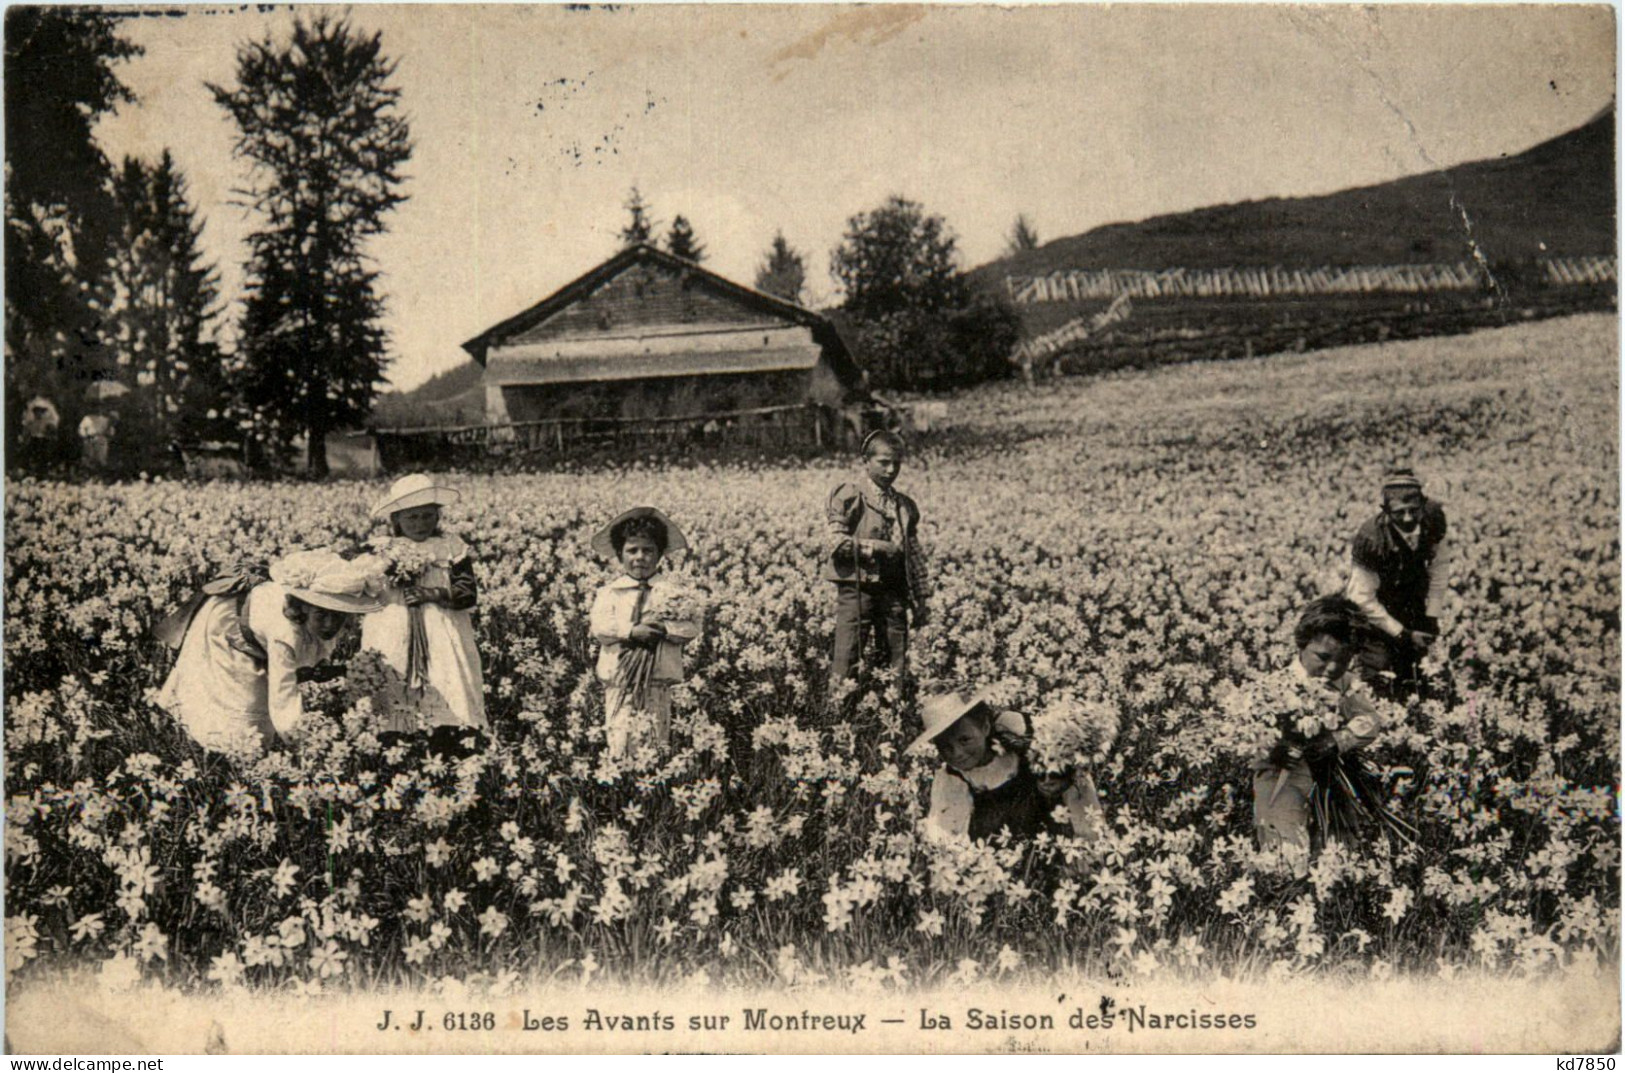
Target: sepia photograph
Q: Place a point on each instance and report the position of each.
(812, 529)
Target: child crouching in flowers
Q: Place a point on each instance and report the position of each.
(641, 625)
(1070, 737)
(1301, 725)
(243, 639)
(987, 784)
(425, 632)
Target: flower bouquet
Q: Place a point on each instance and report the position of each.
(1072, 734)
(668, 603)
(406, 561)
(1301, 722)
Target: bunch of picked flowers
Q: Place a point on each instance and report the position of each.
(1072, 734)
(404, 563)
(669, 602)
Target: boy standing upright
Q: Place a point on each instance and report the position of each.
(1398, 578)
(641, 623)
(873, 557)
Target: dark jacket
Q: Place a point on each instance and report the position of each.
(1402, 574)
(855, 511)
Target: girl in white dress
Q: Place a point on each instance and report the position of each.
(243, 638)
(425, 631)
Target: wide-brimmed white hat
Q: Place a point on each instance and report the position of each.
(414, 490)
(942, 711)
(604, 544)
(326, 579)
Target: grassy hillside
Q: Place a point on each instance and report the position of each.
(1556, 199)
(453, 397)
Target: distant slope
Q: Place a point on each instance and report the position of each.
(1561, 194)
(454, 397)
(1554, 200)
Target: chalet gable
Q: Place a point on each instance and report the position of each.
(642, 291)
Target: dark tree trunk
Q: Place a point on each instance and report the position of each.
(316, 451)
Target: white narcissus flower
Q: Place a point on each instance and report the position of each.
(22, 933)
(282, 882)
(152, 944)
(493, 922)
(227, 969)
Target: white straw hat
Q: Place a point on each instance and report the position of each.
(414, 490)
(326, 579)
(603, 542)
(942, 711)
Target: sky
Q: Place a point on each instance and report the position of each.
(530, 124)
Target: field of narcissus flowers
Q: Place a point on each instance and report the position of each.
(1141, 540)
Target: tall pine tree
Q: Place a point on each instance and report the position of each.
(640, 225)
(784, 271)
(680, 240)
(163, 304)
(1023, 236)
(318, 120)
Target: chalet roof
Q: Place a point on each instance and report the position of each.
(522, 368)
(585, 284)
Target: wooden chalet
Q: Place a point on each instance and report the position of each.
(650, 341)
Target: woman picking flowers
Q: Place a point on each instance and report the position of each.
(242, 639)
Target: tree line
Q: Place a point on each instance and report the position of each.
(115, 323)
(915, 317)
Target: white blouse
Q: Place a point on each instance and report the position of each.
(611, 622)
(223, 695)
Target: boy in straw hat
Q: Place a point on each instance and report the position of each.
(641, 624)
(985, 784)
(425, 631)
(873, 557)
(1399, 574)
(242, 640)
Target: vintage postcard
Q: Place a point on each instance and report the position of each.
(811, 529)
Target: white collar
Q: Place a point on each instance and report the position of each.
(627, 581)
(996, 772)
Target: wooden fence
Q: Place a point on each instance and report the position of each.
(1085, 284)
(1581, 271)
(777, 426)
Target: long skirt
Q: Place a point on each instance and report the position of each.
(217, 692)
(454, 694)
